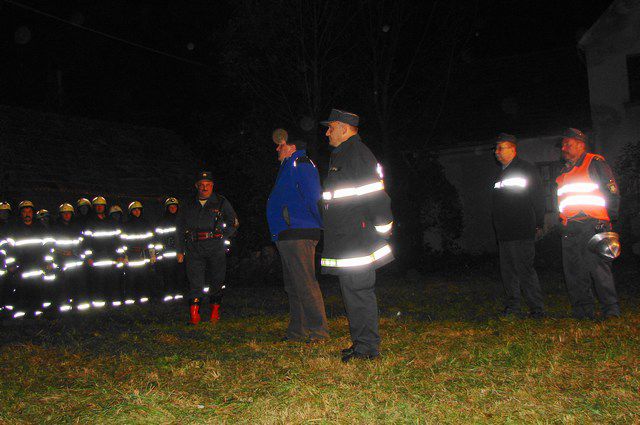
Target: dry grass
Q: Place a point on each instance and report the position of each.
(154, 369)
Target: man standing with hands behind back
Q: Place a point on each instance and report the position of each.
(295, 226)
(517, 204)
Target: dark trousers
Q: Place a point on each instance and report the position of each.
(206, 264)
(307, 317)
(172, 273)
(585, 271)
(519, 277)
(358, 293)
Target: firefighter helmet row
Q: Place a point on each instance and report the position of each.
(67, 207)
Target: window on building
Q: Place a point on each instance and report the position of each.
(633, 73)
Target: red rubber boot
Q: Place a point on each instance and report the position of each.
(215, 313)
(194, 312)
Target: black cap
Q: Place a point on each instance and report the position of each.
(342, 116)
(506, 137)
(204, 175)
(574, 133)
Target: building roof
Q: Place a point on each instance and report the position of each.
(619, 17)
(537, 94)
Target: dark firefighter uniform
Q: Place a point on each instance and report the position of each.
(203, 228)
(588, 199)
(517, 207)
(138, 244)
(67, 254)
(173, 279)
(357, 223)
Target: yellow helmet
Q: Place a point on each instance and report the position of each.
(171, 201)
(115, 209)
(83, 202)
(5, 206)
(134, 205)
(26, 204)
(98, 200)
(42, 213)
(66, 208)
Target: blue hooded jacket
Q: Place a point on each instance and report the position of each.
(292, 208)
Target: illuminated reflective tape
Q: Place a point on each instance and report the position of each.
(24, 242)
(65, 307)
(5, 242)
(169, 254)
(116, 303)
(72, 265)
(9, 260)
(48, 258)
(2, 272)
(511, 182)
(357, 261)
(129, 302)
(158, 246)
(165, 230)
(223, 286)
(144, 299)
(582, 200)
(9, 307)
(33, 273)
(49, 277)
(354, 191)
(120, 250)
(120, 265)
(138, 236)
(18, 314)
(3, 252)
(104, 263)
(178, 297)
(67, 242)
(205, 289)
(167, 298)
(384, 228)
(379, 170)
(138, 263)
(88, 252)
(37, 313)
(46, 304)
(577, 188)
(227, 242)
(102, 233)
(98, 304)
(83, 306)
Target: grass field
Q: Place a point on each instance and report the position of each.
(446, 359)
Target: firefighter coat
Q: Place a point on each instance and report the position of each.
(356, 211)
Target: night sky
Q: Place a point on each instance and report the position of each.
(53, 66)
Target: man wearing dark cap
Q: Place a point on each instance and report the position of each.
(295, 226)
(518, 215)
(588, 200)
(204, 225)
(357, 224)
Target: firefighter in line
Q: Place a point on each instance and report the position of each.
(172, 272)
(44, 218)
(73, 285)
(101, 246)
(588, 200)
(139, 251)
(115, 214)
(83, 212)
(357, 224)
(29, 262)
(5, 216)
(517, 209)
(204, 225)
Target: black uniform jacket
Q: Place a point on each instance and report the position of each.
(516, 209)
(137, 235)
(102, 238)
(601, 173)
(216, 215)
(354, 202)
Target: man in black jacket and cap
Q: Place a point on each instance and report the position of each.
(518, 216)
(357, 225)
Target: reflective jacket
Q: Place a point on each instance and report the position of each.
(67, 246)
(587, 189)
(517, 201)
(166, 231)
(102, 242)
(292, 208)
(137, 240)
(356, 211)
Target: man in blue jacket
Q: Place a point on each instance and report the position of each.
(295, 226)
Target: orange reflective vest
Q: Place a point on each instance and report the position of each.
(578, 193)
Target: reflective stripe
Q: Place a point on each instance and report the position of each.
(385, 228)
(104, 263)
(165, 230)
(354, 191)
(129, 302)
(137, 236)
(138, 263)
(72, 265)
(511, 182)
(67, 242)
(49, 277)
(10, 260)
(65, 307)
(116, 303)
(83, 306)
(379, 170)
(582, 200)
(24, 242)
(18, 314)
(169, 254)
(357, 261)
(102, 233)
(32, 273)
(98, 303)
(578, 188)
